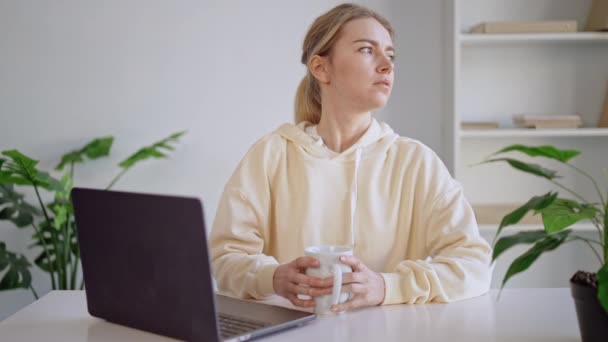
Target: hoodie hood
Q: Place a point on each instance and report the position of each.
(377, 139)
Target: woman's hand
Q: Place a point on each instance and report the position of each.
(366, 286)
(290, 279)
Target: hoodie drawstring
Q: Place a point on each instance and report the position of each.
(353, 197)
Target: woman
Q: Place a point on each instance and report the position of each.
(340, 177)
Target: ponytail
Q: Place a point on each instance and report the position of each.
(308, 101)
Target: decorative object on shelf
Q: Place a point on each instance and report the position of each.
(471, 125)
(53, 222)
(590, 290)
(604, 116)
(498, 27)
(493, 214)
(598, 16)
(539, 121)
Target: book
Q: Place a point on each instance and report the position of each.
(478, 125)
(539, 121)
(526, 27)
(604, 115)
(598, 16)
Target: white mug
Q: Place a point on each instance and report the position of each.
(329, 265)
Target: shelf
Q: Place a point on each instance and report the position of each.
(579, 227)
(470, 39)
(522, 132)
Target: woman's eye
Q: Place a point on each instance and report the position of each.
(366, 49)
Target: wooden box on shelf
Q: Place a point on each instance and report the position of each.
(478, 125)
(501, 27)
(547, 121)
(598, 16)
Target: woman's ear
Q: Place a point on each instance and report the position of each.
(319, 68)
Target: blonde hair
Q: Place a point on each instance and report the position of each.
(319, 40)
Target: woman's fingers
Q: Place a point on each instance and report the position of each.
(304, 262)
(301, 278)
(306, 290)
(353, 262)
(300, 302)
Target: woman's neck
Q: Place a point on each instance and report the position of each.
(341, 131)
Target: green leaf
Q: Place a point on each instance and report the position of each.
(534, 169)
(21, 159)
(54, 244)
(563, 213)
(95, 149)
(152, 151)
(9, 179)
(15, 208)
(61, 216)
(526, 237)
(16, 266)
(602, 286)
(48, 182)
(69, 158)
(536, 203)
(542, 151)
(22, 171)
(525, 260)
(98, 148)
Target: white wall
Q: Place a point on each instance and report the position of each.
(226, 71)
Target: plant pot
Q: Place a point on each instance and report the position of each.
(592, 318)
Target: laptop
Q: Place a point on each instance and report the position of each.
(146, 265)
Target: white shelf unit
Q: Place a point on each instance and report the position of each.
(491, 77)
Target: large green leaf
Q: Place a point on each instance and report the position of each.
(22, 160)
(563, 213)
(54, 245)
(48, 182)
(15, 208)
(7, 177)
(542, 151)
(55, 252)
(16, 266)
(534, 169)
(21, 170)
(525, 237)
(525, 260)
(97, 148)
(602, 289)
(152, 151)
(536, 203)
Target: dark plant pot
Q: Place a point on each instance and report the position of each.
(592, 318)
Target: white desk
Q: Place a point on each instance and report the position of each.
(520, 315)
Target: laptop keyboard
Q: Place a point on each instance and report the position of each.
(232, 325)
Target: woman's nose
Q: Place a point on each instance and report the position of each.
(386, 65)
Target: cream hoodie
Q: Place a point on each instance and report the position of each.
(390, 197)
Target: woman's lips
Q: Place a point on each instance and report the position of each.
(383, 84)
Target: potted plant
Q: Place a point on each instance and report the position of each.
(53, 223)
(589, 289)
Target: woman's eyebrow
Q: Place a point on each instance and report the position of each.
(373, 42)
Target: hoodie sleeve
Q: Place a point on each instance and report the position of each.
(458, 262)
(237, 238)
